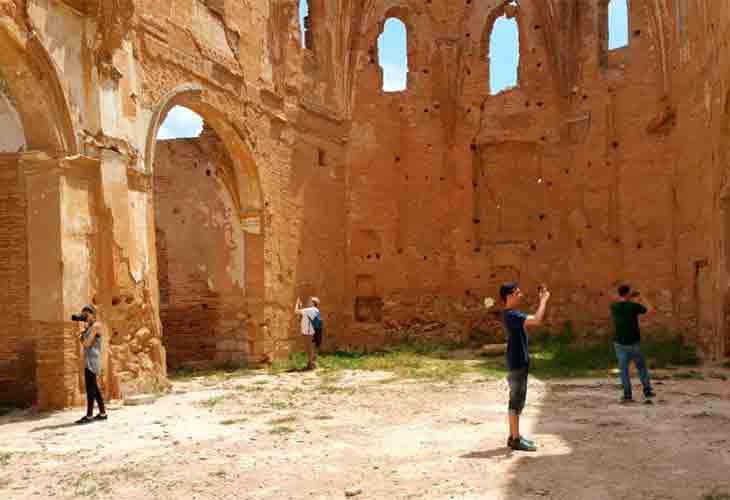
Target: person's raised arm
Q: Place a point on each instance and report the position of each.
(298, 306)
(640, 299)
(95, 331)
(536, 319)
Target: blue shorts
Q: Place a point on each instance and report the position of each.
(517, 380)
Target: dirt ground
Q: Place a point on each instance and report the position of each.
(367, 435)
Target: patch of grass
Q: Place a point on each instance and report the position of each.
(234, 421)
(552, 356)
(5, 458)
(212, 402)
(297, 361)
(557, 356)
(716, 496)
(726, 364)
(260, 382)
(280, 405)
(280, 430)
(425, 362)
(690, 375)
(283, 420)
(94, 483)
(229, 369)
(333, 389)
(249, 388)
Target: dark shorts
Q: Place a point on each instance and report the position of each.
(317, 338)
(517, 380)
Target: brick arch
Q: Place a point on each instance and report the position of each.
(245, 184)
(230, 313)
(33, 84)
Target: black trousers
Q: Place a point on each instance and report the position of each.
(92, 393)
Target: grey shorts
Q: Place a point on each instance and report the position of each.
(517, 380)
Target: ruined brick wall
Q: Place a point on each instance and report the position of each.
(17, 350)
(200, 254)
(402, 211)
(587, 174)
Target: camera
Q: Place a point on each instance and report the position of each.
(79, 317)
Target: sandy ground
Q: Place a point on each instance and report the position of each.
(306, 436)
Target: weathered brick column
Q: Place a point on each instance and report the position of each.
(256, 333)
(61, 198)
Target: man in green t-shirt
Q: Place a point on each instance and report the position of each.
(627, 342)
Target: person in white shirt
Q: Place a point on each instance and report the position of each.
(311, 328)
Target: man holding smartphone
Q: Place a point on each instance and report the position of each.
(627, 342)
(518, 357)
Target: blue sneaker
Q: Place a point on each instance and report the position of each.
(521, 444)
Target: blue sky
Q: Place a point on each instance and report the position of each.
(181, 122)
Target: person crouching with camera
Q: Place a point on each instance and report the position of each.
(91, 339)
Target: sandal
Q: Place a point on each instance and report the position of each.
(101, 417)
(84, 420)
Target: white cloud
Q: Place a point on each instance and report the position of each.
(180, 123)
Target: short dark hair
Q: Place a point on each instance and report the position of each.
(508, 289)
(624, 290)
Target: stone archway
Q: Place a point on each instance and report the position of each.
(39, 132)
(29, 83)
(209, 244)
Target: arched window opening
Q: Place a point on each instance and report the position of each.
(200, 243)
(180, 123)
(304, 25)
(618, 24)
(504, 54)
(393, 55)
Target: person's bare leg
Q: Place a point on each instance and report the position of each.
(310, 352)
(514, 426)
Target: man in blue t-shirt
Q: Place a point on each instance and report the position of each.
(518, 357)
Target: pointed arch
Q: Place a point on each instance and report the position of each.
(245, 185)
(30, 80)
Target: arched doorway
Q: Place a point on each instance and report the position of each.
(205, 190)
(36, 129)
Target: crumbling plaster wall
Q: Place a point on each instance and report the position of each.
(592, 171)
(200, 254)
(106, 73)
(286, 105)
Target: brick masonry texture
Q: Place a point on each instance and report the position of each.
(402, 210)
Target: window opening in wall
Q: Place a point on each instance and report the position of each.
(504, 54)
(180, 123)
(304, 24)
(618, 24)
(393, 55)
